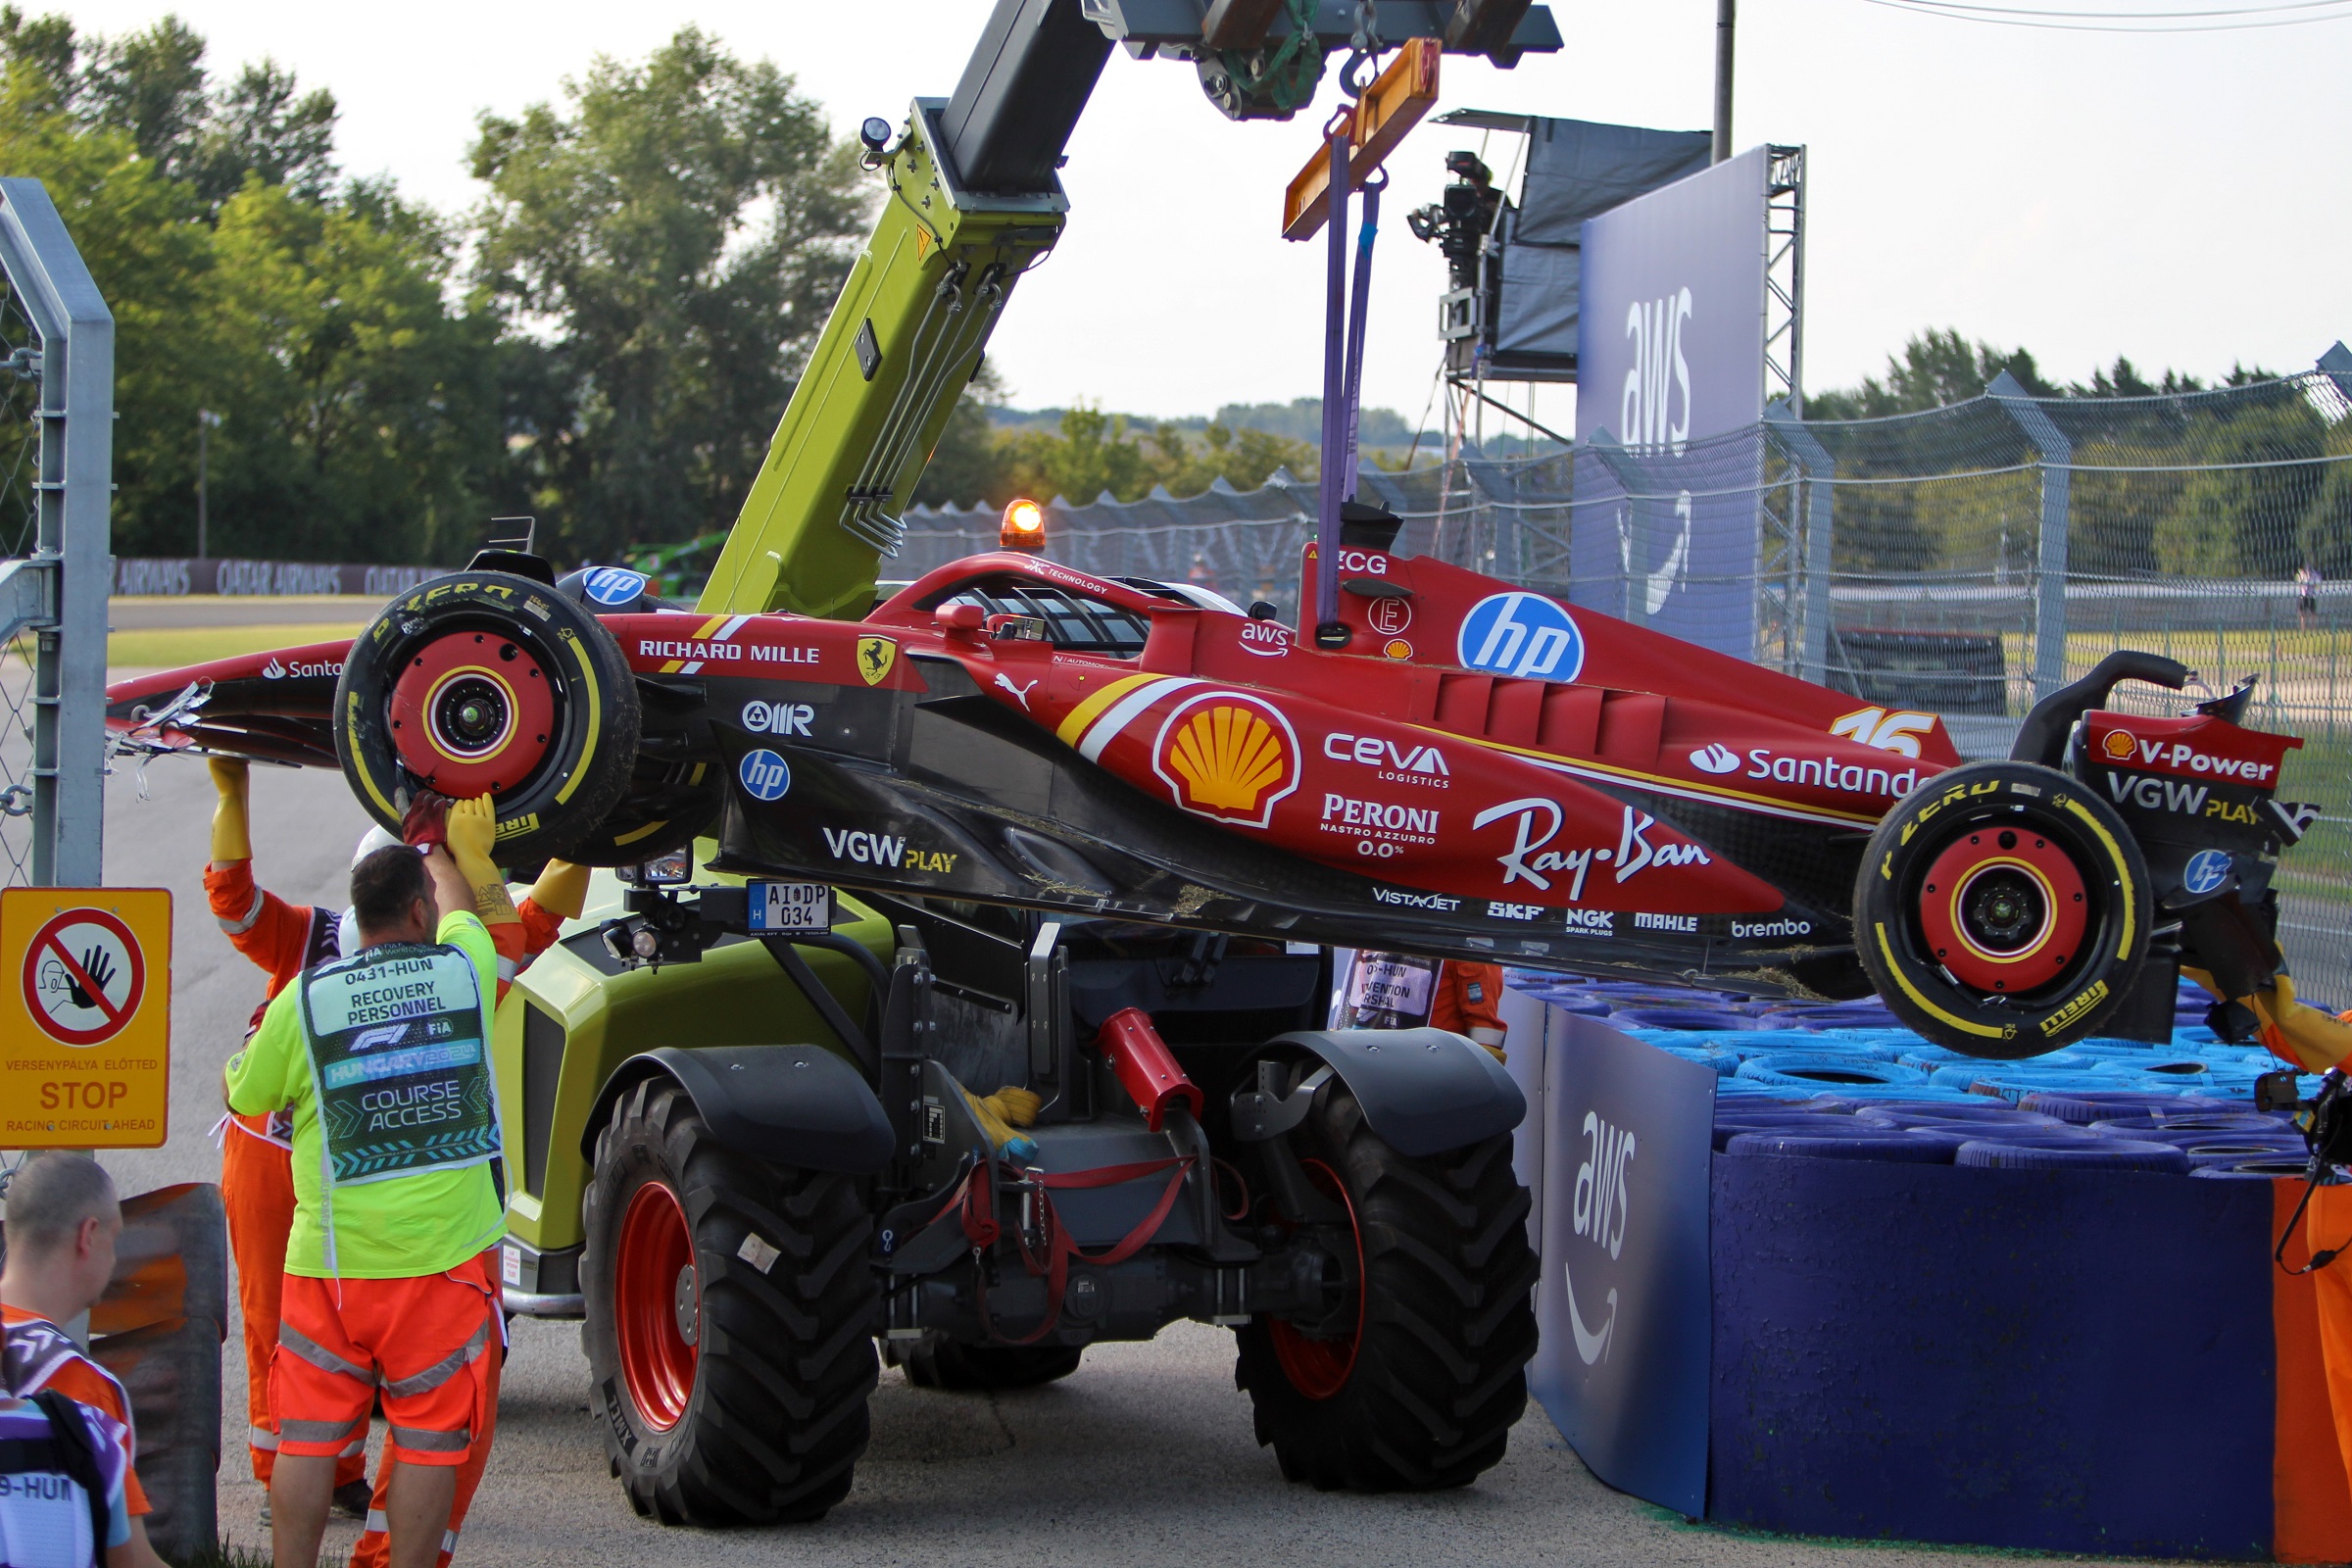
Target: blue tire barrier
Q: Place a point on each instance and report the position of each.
(1581, 1007)
(1748, 1092)
(2171, 1063)
(2069, 1154)
(1820, 1070)
(2173, 1128)
(1791, 1120)
(2084, 1106)
(1947, 1118)
(1947, 1104)
(1903, 1148)
(1721, 1062)
(1858, 1095)
(2224, 1151)
(2009, 1083)
(1682, 1019)
(1995, 1132)
(1747, 1043)
(2261, 1169)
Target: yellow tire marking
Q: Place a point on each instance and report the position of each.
(2122, 873)
(1887, 951)
(579, 651)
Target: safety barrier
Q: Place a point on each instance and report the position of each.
(1804, 1272)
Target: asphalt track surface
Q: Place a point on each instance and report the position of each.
(1144, 1456)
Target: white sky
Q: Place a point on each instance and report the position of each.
(2179, 198)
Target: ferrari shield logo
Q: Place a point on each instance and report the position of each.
(875, 656)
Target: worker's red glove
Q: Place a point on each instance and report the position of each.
(428, 822)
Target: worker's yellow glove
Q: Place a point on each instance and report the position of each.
(472, 829)
(1000, 1114)
(561, 889)
(233, 830)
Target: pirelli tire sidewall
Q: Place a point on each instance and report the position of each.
(590, 751)
(2002, 795)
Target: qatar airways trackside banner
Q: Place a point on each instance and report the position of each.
(1623, 1308)
(1670, 385)
(176, 575)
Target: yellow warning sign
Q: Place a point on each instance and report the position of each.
(86, 1017)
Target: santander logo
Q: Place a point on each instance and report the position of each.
(1716, 757)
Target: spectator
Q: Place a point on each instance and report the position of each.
(386, 1287)
(62, 1220)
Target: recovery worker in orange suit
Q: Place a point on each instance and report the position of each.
(256, 1183)
(1398, 991)
(2316, 1041)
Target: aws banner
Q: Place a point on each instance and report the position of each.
(1670, 380)
(1626, 1322)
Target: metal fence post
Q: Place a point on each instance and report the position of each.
(75, 363)
(1820, 471)
(2057, 455)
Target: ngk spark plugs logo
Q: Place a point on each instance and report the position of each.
(1535, 823)
(1226, 756)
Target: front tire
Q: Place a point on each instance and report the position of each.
(2003, 910)
(729, 1393)
(1423, 1393)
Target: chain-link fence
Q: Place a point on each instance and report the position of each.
(1962, 560)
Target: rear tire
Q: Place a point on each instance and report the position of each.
(747, 1403)
(1438, 1373)
(971, 1368)
(2003, 910)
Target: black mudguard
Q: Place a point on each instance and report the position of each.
(793, 1104)
(1424, 1091)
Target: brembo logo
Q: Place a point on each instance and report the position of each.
(1536, 821)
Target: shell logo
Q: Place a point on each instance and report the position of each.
(2117, 744)
(1228, 757)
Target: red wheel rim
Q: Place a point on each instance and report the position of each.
(657, 1305)
(471, 714)
(1320, 1368)
(2004, 910)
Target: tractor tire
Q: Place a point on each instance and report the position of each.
(731, 1393)
(1426, 1394)
(974, 1368)
(2003, 910)
(486, 683)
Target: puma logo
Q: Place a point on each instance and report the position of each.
(1020, 692)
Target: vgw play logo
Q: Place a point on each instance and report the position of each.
(1599, 1215)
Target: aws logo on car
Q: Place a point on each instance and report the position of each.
(1228, 757)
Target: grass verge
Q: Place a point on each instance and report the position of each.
(169, 646)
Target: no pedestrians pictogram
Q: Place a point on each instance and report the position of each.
(84, 976)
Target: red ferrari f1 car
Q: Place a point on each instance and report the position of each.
(1482, 771)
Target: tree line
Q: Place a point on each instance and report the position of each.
(2172, 475)
(604, 341)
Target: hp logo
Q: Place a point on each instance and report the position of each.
(1521, 634)
(614, 585)
(2206, 873)
(766, 774)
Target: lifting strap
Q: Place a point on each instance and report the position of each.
(975, 1196)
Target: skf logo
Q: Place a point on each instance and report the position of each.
(1897, 732)
(1228, 757)
(875, 657)
(1645, 411)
